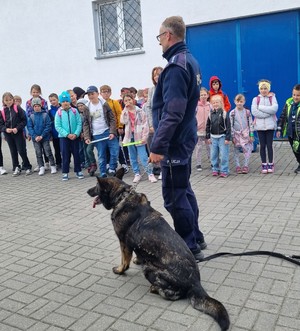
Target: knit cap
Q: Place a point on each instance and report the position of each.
(64, 97)
(82, 101)
(36, 101)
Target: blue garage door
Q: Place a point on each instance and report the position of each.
(243, 51)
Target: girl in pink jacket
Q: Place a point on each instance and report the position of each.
(203, 110)
(136, 134)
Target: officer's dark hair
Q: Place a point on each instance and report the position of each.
(176, 26)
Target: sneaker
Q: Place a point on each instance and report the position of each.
(238, 170)
(36, 169)
(28, 172)
(111, 173)
(53, 169)
(296, 171)
(79, 175)
(198, 167)
(92, 169)
(2, 171)
(264, 168)
(136, 178)
(17, 172)
(198, 255)
(223, 175)
(125, 167)
(245, 170)
(202, 244)
(65, 177)
(47, 166)
(215, 173)
(270, 168)
(103, 175)
(160, 176)
(42, 171)
(152, 178)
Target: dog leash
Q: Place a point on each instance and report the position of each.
(293, 258)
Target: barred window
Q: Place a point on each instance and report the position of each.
(118, 27)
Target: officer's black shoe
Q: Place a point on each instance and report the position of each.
(297, 171)
(198, 255)
(202, 244)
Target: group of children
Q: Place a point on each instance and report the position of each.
(217, 126)
(75, 128)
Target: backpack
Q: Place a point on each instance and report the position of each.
(247, 113)
(59, 111)
(258, 99)
(15, 107)
(241, 138)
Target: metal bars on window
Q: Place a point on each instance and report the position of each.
(118, 27)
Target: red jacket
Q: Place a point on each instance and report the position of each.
(227, 105)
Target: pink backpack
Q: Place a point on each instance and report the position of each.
(3, 112)
(59, 111)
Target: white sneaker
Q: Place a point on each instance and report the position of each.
(36, 169)
(2, 171)
(53, 169)
(28, 172)
(136, 178)
(17, 172)
(42, 171)
(152, 178)
(160, 176)
(47, 166)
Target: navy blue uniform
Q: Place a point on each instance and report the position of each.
(174, 120)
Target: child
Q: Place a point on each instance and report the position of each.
(84, 114)
(264, 108)
(68, 124)
(215, 88)
(203, 110)
(12, 122)
(36, 92)
(242, 133)
(218, 133)
(136, 130)
(54, 106)
(289, 123)
(39, 128)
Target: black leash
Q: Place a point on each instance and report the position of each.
(292, 259)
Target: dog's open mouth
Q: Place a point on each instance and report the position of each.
(96, 201)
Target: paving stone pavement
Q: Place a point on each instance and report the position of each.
(57, 254)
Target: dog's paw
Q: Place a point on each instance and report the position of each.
(153, 289)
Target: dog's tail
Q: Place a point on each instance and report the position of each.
(200, 300)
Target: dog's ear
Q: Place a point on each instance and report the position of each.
(104, 184)
(120, 173)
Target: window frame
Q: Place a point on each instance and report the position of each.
(98, 28)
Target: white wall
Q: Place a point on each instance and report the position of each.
(51, 42)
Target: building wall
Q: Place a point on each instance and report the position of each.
(51, 42)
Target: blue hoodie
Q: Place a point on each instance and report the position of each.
(52, 112)
(174, 105)
(39, 124)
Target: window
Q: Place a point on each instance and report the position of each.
(118, 27)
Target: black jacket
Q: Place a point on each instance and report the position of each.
(218, 122)
(13, 119)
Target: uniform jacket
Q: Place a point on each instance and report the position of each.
(218, 123)
(108, 117)
(284, 119)
(212, 92)
(68, 122)
(40, 125)
(13, 119)
(141, 126)
(264, 112)
(174, 105)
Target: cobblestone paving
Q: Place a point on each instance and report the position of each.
(57, 254)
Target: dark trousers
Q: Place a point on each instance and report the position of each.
(69, 147)
(297, 155)
(1, 155)
(181, 203)
(266, 142)
(17, 144)
(57, 153)
(40, 148)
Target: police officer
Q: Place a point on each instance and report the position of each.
(174, 120)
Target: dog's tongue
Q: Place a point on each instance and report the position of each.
(96, 202)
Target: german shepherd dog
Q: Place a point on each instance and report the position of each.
(167, 262)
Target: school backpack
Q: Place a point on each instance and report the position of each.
(248, 114)
(258, 99)
(15, 107)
